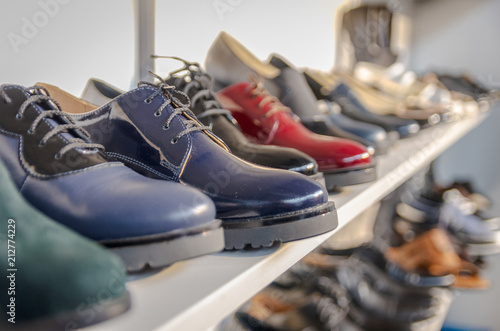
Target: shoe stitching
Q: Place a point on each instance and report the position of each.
(140, 164)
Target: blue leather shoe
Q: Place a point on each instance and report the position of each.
(152, 130)
(57, 168)
(198, 86)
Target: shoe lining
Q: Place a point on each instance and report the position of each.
(263, 69)
(69, 103)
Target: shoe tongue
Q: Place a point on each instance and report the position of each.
(202, 83)
(178, 82)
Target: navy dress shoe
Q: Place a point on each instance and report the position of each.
(351, 107)
(61, 172)
(210, 113)
(152, 130)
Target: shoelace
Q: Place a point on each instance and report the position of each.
(257, 89)
(199, 79)
(203, 82)
(181, 108)
(39, 95)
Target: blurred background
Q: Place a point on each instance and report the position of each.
(64, 42)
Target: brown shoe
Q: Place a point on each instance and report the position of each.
(433, 253)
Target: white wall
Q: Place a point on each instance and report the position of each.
(95, 38)
(462, 35)
(79, 39)
(302, 31)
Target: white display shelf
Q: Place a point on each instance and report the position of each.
(197, 294)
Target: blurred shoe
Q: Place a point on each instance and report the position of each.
(381, 104)
(465, 85)
(350, 106)
(299, 97)
(262, 116)
(373, 256)
(384, 298)
(153, 131)
(369, 322)
(454, 213)
(413, 92)
(433, 254)
(61, 172)
(229, 62)
(53, 279)
(464, 98)
(266, 312)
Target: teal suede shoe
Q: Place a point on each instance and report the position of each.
(50, 277)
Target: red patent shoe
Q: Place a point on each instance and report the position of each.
(263, 117)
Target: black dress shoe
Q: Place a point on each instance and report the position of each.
(198, 86)
(380, 296)
(350, 106)
(368, 322)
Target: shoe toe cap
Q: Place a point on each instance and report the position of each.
(114, 202)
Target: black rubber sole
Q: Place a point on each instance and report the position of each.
(152, 252)
(335, 180)
(265, 232)
(74, 320)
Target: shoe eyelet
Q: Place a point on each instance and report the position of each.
(30, 132)
(165, 127)
(174, 141)
(18, 117)
(157, 114)
(40, 144)
(57, 156)
(147, 101)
